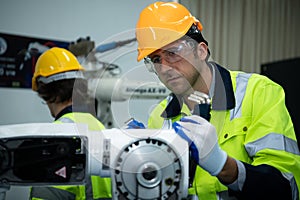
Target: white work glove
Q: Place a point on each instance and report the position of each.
(202, 138)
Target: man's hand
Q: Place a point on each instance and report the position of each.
(203, 140)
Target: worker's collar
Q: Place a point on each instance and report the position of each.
(64, 111)
(222, 98)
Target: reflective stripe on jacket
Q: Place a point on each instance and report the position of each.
(95, 188)
(253, 126)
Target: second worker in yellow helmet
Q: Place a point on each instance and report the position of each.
(59, 81)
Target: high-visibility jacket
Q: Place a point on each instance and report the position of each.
(253, 126)
(95, 188)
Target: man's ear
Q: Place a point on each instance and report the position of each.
(202, 50)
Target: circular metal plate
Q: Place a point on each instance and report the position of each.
(147, 169)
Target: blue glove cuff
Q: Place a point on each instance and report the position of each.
(133, 124)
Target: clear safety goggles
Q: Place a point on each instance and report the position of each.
(172, 55)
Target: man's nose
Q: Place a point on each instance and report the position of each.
(165, 65)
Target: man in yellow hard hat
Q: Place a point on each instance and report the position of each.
(240, 132)
(59, 81)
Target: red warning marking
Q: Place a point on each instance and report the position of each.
(62, 172)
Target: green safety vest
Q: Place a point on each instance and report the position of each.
(96, 187)
(248, 123)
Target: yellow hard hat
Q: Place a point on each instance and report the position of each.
(160, 24)
(55, 61)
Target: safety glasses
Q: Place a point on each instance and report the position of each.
(172, 54)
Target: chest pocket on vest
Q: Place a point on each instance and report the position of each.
(233, 135)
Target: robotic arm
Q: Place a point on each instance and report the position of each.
(142, 163)
(106, 83)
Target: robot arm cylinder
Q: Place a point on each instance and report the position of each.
(118, 89)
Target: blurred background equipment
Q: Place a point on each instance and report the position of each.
(82, 46)
(106, 81)
(285, 73)
(113, 45)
